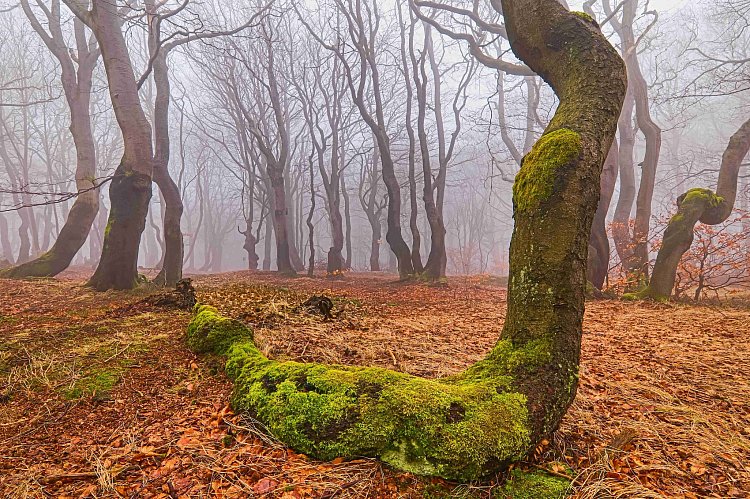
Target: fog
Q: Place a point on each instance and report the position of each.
(287, 99)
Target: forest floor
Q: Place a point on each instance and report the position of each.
(100, 398)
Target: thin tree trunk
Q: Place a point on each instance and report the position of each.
(267, 243)
(310, 226)
(171, 269)
(347, 224)
(598, 264)
(621, 221)
(5, 240)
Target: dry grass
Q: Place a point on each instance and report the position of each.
(663, 407)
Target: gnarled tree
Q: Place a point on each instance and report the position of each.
(498, 410)
(697, 205)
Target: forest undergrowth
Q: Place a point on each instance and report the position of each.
(99, 397)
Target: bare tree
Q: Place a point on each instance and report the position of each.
(696, 205)
(130, 189)
(362, 24)
(77, 68)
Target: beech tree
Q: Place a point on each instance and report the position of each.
(632, 243)
(362, 20)
(498, 410)
(372, 204)
(77, 68)
(697, 205)
(130, 188)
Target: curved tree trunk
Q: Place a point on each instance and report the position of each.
(130, 190)
(171, 269)
(555, 196)
(697, 205)
(598, 264)
(498, 410)
(77, 88)
(249, 246)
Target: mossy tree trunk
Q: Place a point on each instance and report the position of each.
(130, 190)
(76, 83)
(697, 205)
(499, 409)
(555, 197)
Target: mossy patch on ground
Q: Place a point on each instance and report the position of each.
(533, 485)
(97, 384)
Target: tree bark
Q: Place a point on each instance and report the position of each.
(347, 225)
(77, 86)
(598, 264)
(621, 231)
(171, 270)
(635, 251)
(498, 410)
(697, 205)
(5, 245)
(130, 190)
(249, 247)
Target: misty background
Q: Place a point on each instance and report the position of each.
(690, 54)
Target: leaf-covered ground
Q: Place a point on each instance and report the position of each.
(100, 398)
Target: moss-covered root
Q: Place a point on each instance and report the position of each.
(678, 237)
(209, 332)
(461, 427)
(533, 485)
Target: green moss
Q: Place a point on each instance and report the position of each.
(209, 332)
(97, 384)
(438, 491)
(535, 181)
(584, 16)
(533, 485)
(461, 427)
(646, 293)
(6, 319)
(701, 195)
